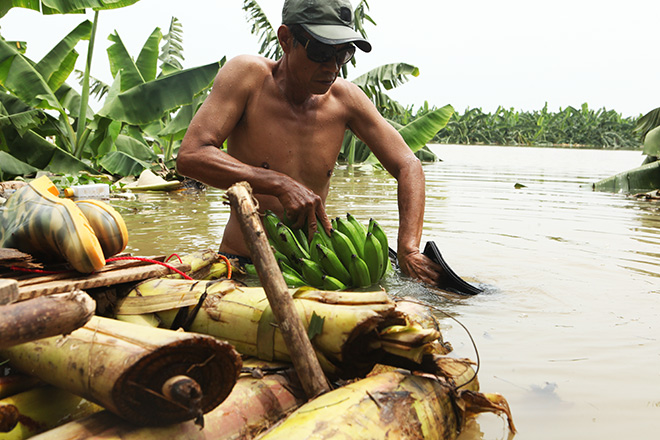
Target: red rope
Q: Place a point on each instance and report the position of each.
(174, 255)
(49, 272)
(228, 264)
(149, 260)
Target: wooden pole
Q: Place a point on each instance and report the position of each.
(298, 344)
(8, 291)
(44, 317)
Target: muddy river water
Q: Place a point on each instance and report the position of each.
(568, 326)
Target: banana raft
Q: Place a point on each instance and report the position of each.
(352, 255)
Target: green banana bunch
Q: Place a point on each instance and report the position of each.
(352, 255)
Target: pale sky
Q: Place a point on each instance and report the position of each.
(471, 53)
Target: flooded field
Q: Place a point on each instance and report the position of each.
(567, 328)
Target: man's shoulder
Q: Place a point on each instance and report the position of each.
(251, 63)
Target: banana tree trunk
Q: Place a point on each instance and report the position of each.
(148, 376)
(44, 316)
(256, 402)
(350, 331)
(386, 406)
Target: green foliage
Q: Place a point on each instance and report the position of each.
(572, 127)
(139, 126)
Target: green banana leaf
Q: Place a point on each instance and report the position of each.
(21, 121)
(147, 60)
(48, 7)
(150, 101)
(134, 148)
(419, 132)
(121, 61)
(172, 52)
(11, 167)
(134, 73)
(652, 142)
(58, 64)
(416, 134)
(118, 162)
(270, 45)
(36, 151)
(387, 75)
(21, 78)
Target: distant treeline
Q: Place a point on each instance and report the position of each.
(583, 127)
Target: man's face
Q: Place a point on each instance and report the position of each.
(319, 63)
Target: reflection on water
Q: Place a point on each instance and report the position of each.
(567, 329)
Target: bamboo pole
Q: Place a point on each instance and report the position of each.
(44, 316)
(148, 376)
(304, 360)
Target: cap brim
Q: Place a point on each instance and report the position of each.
(337, 34)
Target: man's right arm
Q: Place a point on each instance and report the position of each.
(201, 157)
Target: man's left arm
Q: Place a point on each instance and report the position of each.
(397, 158)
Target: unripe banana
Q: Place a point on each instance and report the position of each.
(312, 272)
(301, 236)
(324, 235)
(270, 222)
(359, 227)
(291, 276)
(332, 283)
(346, 227)
(332, 265)
(292, 280)
(343, 247)
(378, 232)
(359, 271)
(288, 245)
(251, 269)
(313, 250)
(373, 256)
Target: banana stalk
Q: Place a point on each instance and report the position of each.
(344, 327)
(385, 406)
(263, 394)
(146, 375)
(39, 409)
(204, 265)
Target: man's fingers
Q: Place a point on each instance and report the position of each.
(322, 217)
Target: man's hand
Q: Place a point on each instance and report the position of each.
(303, 206)
(419, 266)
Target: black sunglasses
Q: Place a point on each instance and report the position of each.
(322, 53)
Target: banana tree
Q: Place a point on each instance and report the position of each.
(135, 123)
(137, 106)
(72, 7)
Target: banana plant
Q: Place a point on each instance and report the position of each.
(135, 122)
(137, 106)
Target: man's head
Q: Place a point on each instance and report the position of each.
(327, 21)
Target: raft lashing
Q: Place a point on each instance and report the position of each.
(204, 358)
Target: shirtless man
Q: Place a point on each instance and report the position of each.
(284, 122)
